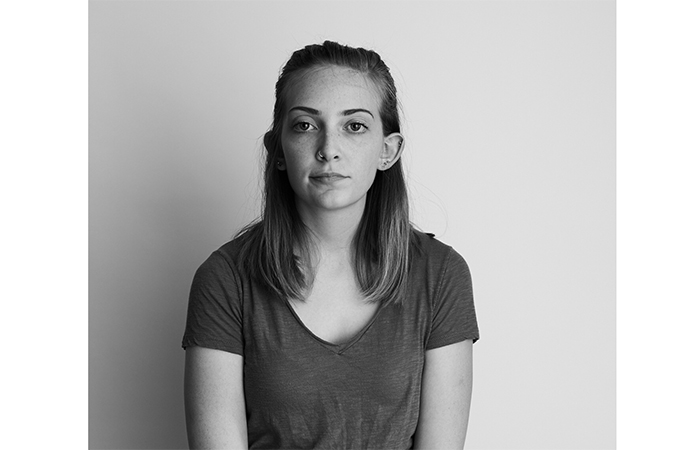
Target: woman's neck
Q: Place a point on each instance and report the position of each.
(333, 230)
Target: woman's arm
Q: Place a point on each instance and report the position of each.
(446, 394)
(214, 399)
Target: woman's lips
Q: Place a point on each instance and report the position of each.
(327, 177)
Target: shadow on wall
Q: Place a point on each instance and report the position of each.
(153, 220)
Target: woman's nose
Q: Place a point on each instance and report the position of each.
(329, 147)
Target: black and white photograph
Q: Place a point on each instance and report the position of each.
(463, 224)
(352, 224)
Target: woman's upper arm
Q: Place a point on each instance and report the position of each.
(214, 399)
(445, 397)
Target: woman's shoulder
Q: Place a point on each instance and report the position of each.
(428, 246)
(233, 253)
(231, 249)
(434, 257)
(240, 243)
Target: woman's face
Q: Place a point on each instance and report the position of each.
(332, 139)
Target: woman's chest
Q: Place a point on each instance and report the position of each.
(335, 311)
(383, 360)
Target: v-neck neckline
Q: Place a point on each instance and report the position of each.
(335, 348)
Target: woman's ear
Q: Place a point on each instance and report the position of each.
(269, 141)
(393, 147)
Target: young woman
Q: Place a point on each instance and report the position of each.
(331, 322)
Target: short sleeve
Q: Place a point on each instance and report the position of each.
(454, 315)
(214, 312)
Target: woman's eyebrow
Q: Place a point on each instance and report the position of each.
(347, 112)
(306, 109)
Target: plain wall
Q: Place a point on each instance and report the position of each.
(509, 116)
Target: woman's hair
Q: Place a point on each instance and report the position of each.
(382, 241)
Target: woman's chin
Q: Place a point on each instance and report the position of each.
(337, 202)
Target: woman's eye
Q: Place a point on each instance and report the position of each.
(357, 127)
(302, 126)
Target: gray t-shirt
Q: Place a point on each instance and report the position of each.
(303, 392)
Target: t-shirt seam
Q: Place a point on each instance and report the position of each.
(445, 265)
(234, 272)
(433, 301)
(239, 287)
(239, 292)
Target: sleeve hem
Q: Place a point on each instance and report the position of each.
(451, 340)
(213, 343)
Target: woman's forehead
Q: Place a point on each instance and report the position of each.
(333, 85)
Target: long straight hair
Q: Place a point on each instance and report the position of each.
(382, 242)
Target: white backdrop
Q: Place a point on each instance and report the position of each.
(509, 111)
